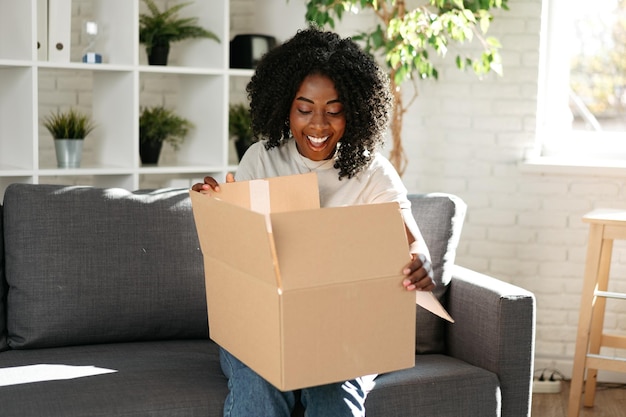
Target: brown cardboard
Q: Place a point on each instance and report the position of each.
(305, 296)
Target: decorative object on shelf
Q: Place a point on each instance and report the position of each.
(68, 129)
(160, 28)
(239, 127)
(247, 49)
(158, 124)
(90, 56)
(406, 35)
(59, 25)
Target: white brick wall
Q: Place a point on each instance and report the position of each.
(469, 137)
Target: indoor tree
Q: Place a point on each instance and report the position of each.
(407, 32)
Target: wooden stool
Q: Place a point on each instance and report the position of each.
(604, 227)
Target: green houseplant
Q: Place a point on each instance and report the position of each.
(158, 29)
(406, 35)
(239, 122)
(158, 124)
(69, 129)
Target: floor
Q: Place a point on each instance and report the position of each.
(610, 402)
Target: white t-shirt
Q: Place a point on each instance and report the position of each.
(378, 183)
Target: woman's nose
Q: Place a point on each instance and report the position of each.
(319, 119)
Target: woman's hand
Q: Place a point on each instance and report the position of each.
(211, 183)
(419, 274)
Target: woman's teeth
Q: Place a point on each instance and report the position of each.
(317, 141)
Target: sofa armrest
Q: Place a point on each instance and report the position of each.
(494, 330)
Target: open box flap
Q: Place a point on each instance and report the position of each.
(286, 193)
(234, 235)
(294, 192)
(237, 193)
(427, 300)
(339, 244)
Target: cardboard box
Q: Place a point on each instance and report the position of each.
(302, 295)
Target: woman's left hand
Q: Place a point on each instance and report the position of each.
(419, 274)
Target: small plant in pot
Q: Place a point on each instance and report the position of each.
(158, 124)
(159, 29)
(239, 127)
(69, 129)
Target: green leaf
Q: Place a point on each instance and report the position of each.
(485, 21)
(493, 42)
(460, 64)
(469, 16)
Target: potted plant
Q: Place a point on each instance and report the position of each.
(239, 127)
(69, 129)
(158, 124)
(160, 28)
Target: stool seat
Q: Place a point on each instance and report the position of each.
(605, 226)
(606, 216)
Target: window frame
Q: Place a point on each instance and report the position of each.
(556, 144)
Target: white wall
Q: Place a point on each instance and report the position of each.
(469, 137)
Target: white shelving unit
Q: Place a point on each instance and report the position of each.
(198, 72)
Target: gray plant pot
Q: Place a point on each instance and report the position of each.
(69, 152)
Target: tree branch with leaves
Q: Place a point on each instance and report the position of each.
(405, 36)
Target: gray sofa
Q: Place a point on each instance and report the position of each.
(110, 283)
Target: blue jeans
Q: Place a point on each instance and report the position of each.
(251, 395)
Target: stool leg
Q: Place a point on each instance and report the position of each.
(584, 321)
(597, 319)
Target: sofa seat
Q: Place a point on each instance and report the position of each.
(438, 385)
(183, 378)
(156, 378)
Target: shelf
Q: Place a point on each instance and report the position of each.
(193, 169)
(80, 66)
(35, 81)
(158, 69)
(13, 63)
(72, 172)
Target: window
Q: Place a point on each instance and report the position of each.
(582, 99)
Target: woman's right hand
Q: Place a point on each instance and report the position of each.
(211, 183)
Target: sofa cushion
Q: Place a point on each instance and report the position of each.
(87, 265)
(3, 292)
(173, 378)
(440, 219)
(437, 385)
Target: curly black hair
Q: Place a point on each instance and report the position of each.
(362, 86)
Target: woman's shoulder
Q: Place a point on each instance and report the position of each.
(381, 165)
(259, 161)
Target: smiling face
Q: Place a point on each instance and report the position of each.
(317, 118)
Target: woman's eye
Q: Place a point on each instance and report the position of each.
(303, 111)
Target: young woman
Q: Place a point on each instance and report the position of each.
(320, 103)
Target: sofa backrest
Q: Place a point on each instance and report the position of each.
(440, 219)
(147, 280)
(87, 265)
